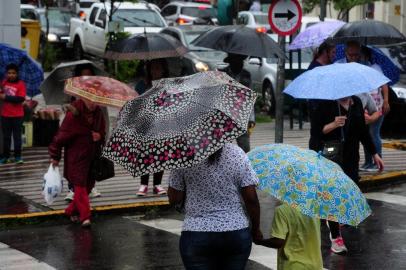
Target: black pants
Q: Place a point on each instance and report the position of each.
(12, 126)
(157, 178)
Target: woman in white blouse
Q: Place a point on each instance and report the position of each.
(217, 195)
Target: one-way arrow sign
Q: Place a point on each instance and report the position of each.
(289, 15)
(285, 16)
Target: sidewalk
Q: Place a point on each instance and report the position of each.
(23, 183)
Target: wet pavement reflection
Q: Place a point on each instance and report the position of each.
(11, 203)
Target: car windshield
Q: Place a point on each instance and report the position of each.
(138, 18)
(261, 19)
(57, 18)
(27, 13)
(201, 12)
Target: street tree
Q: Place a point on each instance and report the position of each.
(342, 6)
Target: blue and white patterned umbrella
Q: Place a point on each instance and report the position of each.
(29, 71)
(335, 81)
(389, 68)
(307, 181)
(315, 35)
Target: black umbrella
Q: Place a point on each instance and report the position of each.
(52, 87)
(369, 32)
(239, 40)
(146, 46)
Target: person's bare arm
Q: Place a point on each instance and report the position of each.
(175, 196)
(339, 121)
(249, 195)
(272, 242)
(385, 94)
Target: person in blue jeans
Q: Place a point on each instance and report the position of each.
(216, 232)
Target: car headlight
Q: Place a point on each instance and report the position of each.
(52, 37)
(200, 66)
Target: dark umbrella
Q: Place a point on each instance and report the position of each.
(368, 32)
(146, 46)
(179, 122)
(29, 71)
(239, 39)
(53, 86)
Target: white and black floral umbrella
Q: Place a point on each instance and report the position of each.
(179, 122)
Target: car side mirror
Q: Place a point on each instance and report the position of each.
(255, 61)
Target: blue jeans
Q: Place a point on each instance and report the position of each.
(215, 250)
(12, 127)
(375, 131)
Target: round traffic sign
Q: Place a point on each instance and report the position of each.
(285, 16)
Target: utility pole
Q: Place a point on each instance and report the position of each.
(323, 9)
(280, 85)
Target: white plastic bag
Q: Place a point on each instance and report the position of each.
(52, 185)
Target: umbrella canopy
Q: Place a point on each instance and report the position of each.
(52, 87)
(146, 46)
(239, 39)
(315, 35)
(335, 81)
(104, 91)
(389, 68)
(179, 122)
(29, 71)
(305, 180)
(368, 32)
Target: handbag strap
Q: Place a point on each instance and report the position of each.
(342, 132)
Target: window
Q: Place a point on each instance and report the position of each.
(201, 12)
(169, 10)
(92, 17)
(242, 19)
(29, 14)
(101, 21)
(57, 18)
(138, 18)
(261, 19)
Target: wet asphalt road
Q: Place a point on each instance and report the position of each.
(122, 241)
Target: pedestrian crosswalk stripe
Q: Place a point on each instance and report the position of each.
(12, 259)
(386, 197)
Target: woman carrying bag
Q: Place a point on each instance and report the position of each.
(340, 126)
(81, 134)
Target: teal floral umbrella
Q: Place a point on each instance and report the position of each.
(305, 180)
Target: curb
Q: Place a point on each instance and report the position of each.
(370, 182)
(397, 145)
(98, 209)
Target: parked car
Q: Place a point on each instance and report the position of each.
(83, 7)
(198, 58)
(28, 12)
(263, 73)
(187, 13)
(59, 25)
(394, 124)
(254, 19)
(89, 36)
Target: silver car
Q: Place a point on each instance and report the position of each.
(187, 13)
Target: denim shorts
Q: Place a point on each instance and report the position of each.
(215, 250)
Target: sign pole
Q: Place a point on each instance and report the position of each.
(280, 85)
(285, 17)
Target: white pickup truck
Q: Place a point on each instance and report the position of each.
(89, 36)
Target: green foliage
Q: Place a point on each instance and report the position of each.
(123, 70)
(340, 5)
(50, 54)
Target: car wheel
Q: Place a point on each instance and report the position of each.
(268, 96)
(77, 50)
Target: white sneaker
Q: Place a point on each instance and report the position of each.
(338, 246)
(94, 193)
(69, 196)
